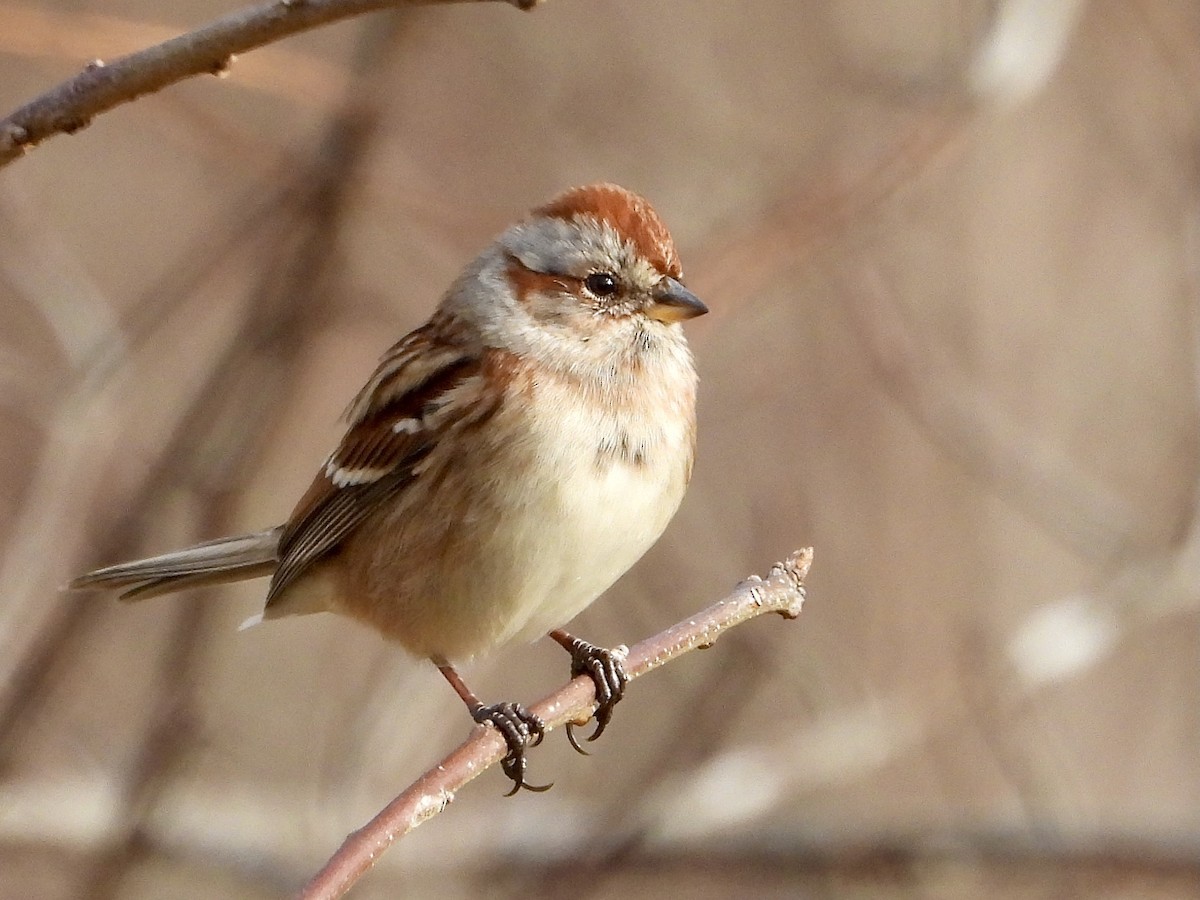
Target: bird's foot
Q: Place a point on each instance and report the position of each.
(607, 670)
(521, 730)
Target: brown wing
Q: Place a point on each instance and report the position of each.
(388, 435)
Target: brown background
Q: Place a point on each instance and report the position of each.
(951, 254)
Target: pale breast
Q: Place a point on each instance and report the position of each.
(510, 531)
(609, 486)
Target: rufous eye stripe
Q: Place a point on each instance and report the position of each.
(526, 282)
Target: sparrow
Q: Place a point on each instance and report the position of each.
(505, 463)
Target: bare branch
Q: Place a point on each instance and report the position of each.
(781, 592)
(209, 50)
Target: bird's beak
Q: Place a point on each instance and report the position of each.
(672, 302)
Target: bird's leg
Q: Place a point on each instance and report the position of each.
(607, 671)
(520, 728)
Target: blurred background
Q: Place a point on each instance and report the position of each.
(951, 252)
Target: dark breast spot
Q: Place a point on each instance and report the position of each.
(619, 448)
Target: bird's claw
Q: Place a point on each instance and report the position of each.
(521, 730)
(607, 671)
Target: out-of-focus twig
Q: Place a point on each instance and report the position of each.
(804, 221)
(1080, 512)
(781, 592)
(51, 278)
(299, 266)
(275, 327)
(164, 746)
(210, 49)
(959, 863)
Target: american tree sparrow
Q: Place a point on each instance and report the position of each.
(503, 466)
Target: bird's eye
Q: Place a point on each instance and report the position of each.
(601, 284)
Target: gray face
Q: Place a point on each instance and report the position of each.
(578, 267)
(558, 280)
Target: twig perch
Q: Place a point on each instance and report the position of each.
(209, 50)
(781, 592)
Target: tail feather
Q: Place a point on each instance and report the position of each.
(213, 562)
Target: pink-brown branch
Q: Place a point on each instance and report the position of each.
(210, 50)
(782, 591)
